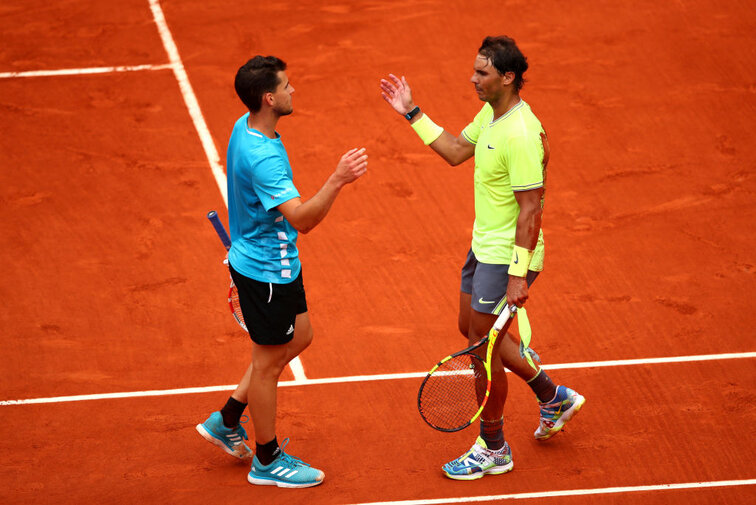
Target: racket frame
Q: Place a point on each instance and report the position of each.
(501, 323)
(233, 292)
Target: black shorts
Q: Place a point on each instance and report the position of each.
(270, 310)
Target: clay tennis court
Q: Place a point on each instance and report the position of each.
(117, 339)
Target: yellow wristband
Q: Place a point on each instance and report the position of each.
(518, 265)
(427, 130)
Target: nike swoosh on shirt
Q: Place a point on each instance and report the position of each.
(489, 146)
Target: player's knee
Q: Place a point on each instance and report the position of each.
(268, 362)
(268, 369)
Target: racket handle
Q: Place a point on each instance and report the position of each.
(219, 229)
(505, 315)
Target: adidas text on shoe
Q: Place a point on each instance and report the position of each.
(230, 440)
(479, 461)
(284, 471)
(556, 413)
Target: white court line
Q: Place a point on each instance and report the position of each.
(572, 492)
(83, 71)
(297, 369)
(201, 126)
(369, 378)
(189, 97)
(652, 361)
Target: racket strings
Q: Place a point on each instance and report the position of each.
(454, 392)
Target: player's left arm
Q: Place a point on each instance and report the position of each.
(526, 236)
(525, 159)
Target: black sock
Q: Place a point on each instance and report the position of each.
(542, 386)
(232, 412)
(267, 453)
(492, 433)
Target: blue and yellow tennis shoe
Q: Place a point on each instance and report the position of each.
(230, 440)
(480, 461)
(284, 471)
(557, 412)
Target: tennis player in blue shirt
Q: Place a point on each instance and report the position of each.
(266, 213)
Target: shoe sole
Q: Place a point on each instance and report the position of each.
(498, 470)
(210, 438)
(259, 481)
(568, 414)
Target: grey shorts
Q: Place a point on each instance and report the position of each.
(487, 284)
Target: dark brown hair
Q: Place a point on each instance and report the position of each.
(257, 77)
(505, 56)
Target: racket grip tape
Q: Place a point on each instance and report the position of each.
(505, 315)
(219, 229)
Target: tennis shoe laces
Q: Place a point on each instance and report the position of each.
(480, 461)
(284, 471)
(230, 440)
(557, 412)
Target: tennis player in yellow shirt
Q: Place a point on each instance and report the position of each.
(511, 152)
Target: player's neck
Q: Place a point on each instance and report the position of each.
(505, 102)
(264, 121)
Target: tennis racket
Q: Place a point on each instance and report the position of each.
(233, 293)
(454, 392)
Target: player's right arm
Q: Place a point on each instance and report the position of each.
(397, 93)
(454, 150)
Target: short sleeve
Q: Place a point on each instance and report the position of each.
(524, 160)
(471, 133)
(272, 183)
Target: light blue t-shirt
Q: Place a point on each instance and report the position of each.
(263, 243)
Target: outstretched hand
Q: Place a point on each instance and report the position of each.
(352, 165)
(397, 94)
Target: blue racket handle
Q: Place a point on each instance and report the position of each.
(219, 229)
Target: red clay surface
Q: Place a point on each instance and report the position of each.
(112, 278)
